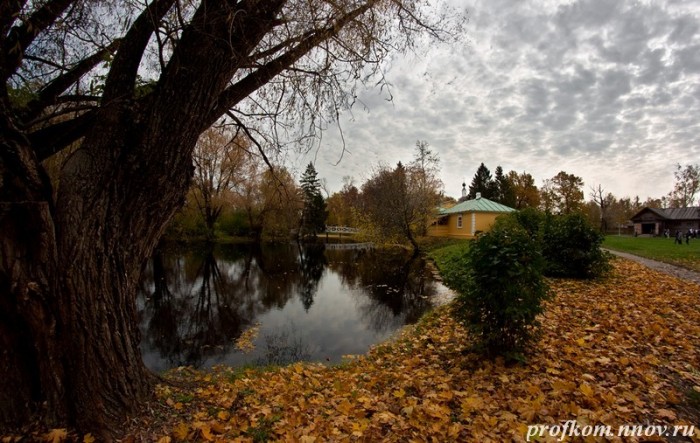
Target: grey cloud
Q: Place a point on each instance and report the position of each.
(606, 89)
(613, 84)
(653, 67)
(684, 29)
(688, 59)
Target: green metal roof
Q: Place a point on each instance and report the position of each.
(477, 205)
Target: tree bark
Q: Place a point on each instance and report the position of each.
(68, 280)
(30, 367)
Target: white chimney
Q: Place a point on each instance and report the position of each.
(478, 195)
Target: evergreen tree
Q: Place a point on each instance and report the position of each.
(313, 219)
(504, 191)
(481, 183)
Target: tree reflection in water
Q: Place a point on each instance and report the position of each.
(195, 304)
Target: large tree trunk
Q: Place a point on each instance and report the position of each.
(31, 370)
(68, 278)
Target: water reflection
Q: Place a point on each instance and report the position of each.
(311, 303)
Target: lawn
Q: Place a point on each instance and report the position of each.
(658, 248)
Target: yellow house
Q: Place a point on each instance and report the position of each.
(466, 219)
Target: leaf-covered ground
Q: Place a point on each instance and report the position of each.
(621, 351)
(625, 350)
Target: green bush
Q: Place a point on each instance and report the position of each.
(571, 247)
(234, 224)
(501, 290)
(569, 244)
(531, 220)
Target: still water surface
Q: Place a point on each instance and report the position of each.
(308, 302)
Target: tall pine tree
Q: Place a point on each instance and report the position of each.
(505, 192)
(313, 218)
(481, 183)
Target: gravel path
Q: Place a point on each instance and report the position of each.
(675, 271)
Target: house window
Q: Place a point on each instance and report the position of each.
(459, 222)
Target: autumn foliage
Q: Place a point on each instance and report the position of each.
(607, 355)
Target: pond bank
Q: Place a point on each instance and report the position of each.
(602, 349)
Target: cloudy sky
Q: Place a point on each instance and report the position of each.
(606, 89)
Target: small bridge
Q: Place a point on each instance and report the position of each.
(341, 230)
(343, 246)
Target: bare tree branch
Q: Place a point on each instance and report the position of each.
(9, 10)
(246, 86)
(49, 93)
(52, 139)
(21, 36)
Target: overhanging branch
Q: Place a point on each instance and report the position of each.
(49, 94)
(50, 140)
(253, 81)
(21, 36)
(121, 80)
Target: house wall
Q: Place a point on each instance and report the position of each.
(671, 225)
(438, 231)
(484, 221)
(472, 222)
(682, 225)
(656, 230)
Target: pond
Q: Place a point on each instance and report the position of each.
(293, 302)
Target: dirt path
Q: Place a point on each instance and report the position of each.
(675, 271)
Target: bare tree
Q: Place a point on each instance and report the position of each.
(70, 261)
(219, 158)
(396, 202)
(425, 184)
(604, 201)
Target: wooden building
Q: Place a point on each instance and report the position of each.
(466, 219)
(654, 221)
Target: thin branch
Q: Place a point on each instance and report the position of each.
(49, 93)
(246, 86)
(44, 61)
(255, 142)
(59, 112)
(72, 98)
(21, 36)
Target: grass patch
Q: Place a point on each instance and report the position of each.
(658, 248)
(430, 244)
(448, 252)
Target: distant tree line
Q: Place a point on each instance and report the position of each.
(564, 194)
(235, 192)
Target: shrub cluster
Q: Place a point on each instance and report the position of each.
(502, 292)
(571, 247)
(569, 244)
(500, 278)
